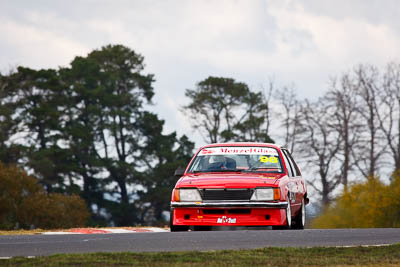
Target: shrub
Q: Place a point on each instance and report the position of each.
(25, 204)
(365, 205)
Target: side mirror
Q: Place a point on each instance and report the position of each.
(179, 172)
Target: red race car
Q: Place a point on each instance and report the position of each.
(239, 184)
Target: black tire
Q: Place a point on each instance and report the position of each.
(176, 228)
(279, 227)
(202, 228)
(300, 218)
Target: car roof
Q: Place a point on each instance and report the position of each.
(242, 144)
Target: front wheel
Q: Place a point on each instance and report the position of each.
(176, 228)
(300, 219)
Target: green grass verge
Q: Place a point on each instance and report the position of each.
(355, 256)
(22, 232)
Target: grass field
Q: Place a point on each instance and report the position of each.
(354, 256)
(22, 232)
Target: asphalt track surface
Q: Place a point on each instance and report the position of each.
(36, 245)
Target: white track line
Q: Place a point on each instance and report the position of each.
(118, 231)
(9, 258)
(59, 233)
(158, 230)
(111, 231)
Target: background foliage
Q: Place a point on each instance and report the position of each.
(370, 204)
(25, 204)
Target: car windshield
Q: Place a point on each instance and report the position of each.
(237, 159)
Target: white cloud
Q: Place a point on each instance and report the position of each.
(331, 45)
(37, 48)
(339, 41)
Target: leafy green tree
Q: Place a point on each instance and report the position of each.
(32, 98)
(225, 110)
(82, 111)
(163, 154)
(253, 125)
(113, 139)
(9, 152)
(106, 97)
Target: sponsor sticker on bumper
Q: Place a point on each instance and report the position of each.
(225, 219)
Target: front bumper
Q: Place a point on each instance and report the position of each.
(279, 205)
(229, 213)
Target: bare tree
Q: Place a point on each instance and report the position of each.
(287, 98)
(267, 98)
(342, 100)
(320, 145)
(389, 113)
(370, 148)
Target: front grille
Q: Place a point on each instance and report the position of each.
(239, 211)
(224, 211)
(216, 211)
(226, 194)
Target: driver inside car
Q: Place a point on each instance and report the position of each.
(219, 162)
(216, 162)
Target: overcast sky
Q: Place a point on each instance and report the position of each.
(183, 42)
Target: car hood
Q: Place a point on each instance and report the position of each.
(225, 180)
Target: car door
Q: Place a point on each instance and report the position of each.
(300, 180)
(296, 186)
(292, 184)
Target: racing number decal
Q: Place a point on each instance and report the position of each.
(270, 159)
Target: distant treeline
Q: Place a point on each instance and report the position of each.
(84, 129)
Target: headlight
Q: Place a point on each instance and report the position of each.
(263, 194)
(189, 195)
